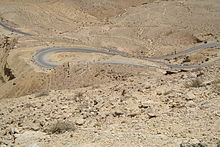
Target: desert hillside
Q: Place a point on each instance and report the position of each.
(109, 73)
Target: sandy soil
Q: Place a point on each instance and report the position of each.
(85, 103)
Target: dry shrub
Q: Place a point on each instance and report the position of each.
(195, 83)
(44, 93)
(78, 97)
(60, 127)
(216, 86)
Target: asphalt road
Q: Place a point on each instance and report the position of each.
(188, 51)
(13, 30)
(40, 56)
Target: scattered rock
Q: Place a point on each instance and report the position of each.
(118, 113)
(80, 122)
(190, 96)
(159, 93)
(192, 75)
(190, 104)
(29, 136)
(4, 142)
(193, 145)
(162, 71)
(168, 92)
(147, 86)
(208, 82)
(35, 127)
(147, 104)
(186, 59)
(133, 114)
(14, 131)
(110, 113)
(170, 72)
(217, 113)
(205, 105)
(151, 115)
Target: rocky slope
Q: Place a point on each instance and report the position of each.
(142, 109)
(83, 103)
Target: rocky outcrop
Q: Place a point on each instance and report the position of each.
(6, 44)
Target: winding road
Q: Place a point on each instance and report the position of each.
(41, 57)
(189, 51)
(6, 27)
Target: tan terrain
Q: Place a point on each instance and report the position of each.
(85, 102)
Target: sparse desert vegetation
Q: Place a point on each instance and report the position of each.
(60, 127)
(99, 73)
(195, 83)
